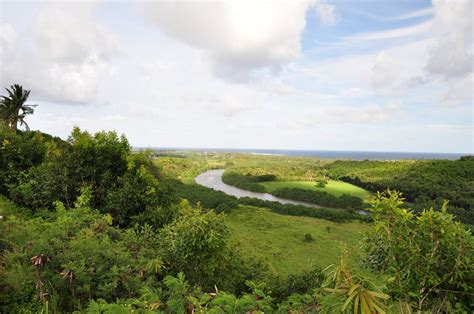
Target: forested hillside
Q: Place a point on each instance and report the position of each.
(423, 183)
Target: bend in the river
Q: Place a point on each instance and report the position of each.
(213, 179)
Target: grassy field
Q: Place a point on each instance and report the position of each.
(333, 187)
(279, 239)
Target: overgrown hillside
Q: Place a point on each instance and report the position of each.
(423, 183)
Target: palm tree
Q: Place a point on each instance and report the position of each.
(11, 105)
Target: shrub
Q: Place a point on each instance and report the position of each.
(321, 183)
(428, 257)
(320, 198)
(246, 182)
(300, 210)
(308, 237)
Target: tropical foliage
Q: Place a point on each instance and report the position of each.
(424, 183)
(13, 109)
(428, 257)
(320, 198)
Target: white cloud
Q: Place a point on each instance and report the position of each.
(395, 70)
(371, 114)
(326, 13)
(66, 55)
(459, 90)
(443, 50)
(451, 55)
(241, 37)
(8, 41)
(69, 33)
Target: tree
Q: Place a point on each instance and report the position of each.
(13, 108)
(428, 257)
(321, 183)
(195, 244)
(19, 151)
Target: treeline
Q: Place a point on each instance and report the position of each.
(208, 198)
(321, 198)
(285, 168)
(38, 170)
(423, 183)
(335, 215)
(247, 182)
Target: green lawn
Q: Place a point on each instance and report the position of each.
(278, 239)
(334, 187)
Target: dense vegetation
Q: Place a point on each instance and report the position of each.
(320, 198)
(247, 182)
(424, 184)
(86, 225)
(208, 198)
(40, 170)
(428, 257)
(300, 210)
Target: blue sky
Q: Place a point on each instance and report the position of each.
(315, 74)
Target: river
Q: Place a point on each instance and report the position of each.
(213, 179)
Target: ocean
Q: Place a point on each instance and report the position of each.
(324, 154)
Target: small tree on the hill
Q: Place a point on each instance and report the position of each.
(13, 109)
(321, 183)
(308, 237)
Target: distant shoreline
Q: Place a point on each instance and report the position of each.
(324, 154)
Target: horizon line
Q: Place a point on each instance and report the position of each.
(296, 150)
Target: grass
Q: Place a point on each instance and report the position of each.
(336, 188)
(279, 240)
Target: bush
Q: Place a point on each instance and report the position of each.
(73, 257)
(320, 198)
(19, 151)
(137, 191)
(308, 237)
(246, 182)
(300, 210)
(428, 257)
(207, 197)
(303, 283)
(195, 244)
(321, 183)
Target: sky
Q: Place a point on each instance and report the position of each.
(363, 75)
